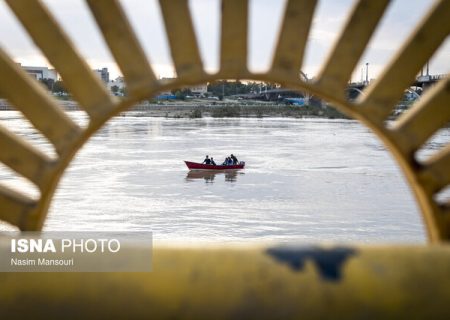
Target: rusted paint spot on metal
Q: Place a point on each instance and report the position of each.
(329, 262)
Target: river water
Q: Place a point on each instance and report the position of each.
(306, 180)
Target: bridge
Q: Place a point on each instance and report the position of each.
(354, 89)
(421, 83)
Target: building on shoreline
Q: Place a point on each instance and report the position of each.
(199, 90)
(40, 73)
(117, 86)
(196, 90)
(103, 73)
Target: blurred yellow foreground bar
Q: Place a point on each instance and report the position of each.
(259, 283)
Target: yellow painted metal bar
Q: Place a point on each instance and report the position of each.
(40, 108)
(351, 44)
(445, 208)
(123, 43)
(233, 47)
(436, 172)
(293, 37)
(181, 36)
(78, 77)
(402, 282)
(23, 158)
(424, 118)
(382, 96)
(14, 207)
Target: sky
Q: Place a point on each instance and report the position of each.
(264, 24)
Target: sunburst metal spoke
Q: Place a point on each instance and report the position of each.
(382, 96)
(293, 37)
(351, 44)
(15, 207)
(436, 172)
(433, 177)
(33, 101)
(233, 46)
(446, 213)
(23, 158)
(181, 36)
(78, 78)
(419, 123)
(123, 44)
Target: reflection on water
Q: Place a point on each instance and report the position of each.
(305, 180)
(209, 176)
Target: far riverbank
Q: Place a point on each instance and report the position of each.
(236, 111)
(219, 109)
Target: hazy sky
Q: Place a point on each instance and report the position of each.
(265, 19)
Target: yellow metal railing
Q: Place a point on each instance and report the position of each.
(250, 283)
(403, 139)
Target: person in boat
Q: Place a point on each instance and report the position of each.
(225, 162)
(235, 160)
(207, 160)
(230, 161)
(212, 161)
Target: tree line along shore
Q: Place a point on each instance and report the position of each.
(237, 111)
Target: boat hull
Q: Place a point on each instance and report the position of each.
(201, 166)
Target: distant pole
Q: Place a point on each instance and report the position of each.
(362, 75)
(367, 72)
(428, 68)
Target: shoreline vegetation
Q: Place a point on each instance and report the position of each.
(233, 109)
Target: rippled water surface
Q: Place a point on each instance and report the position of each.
(305, 180)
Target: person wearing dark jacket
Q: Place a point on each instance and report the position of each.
(207, 160)
(235, 160)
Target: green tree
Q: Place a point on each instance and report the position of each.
(228, 88)
(181, 94)
(48, 83)
(123, 91)
(58, 87)
(115, 89)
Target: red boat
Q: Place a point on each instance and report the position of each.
(201, 166)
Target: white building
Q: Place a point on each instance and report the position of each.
(199, 89)
(41, 72)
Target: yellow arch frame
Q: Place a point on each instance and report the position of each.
(403, 139)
